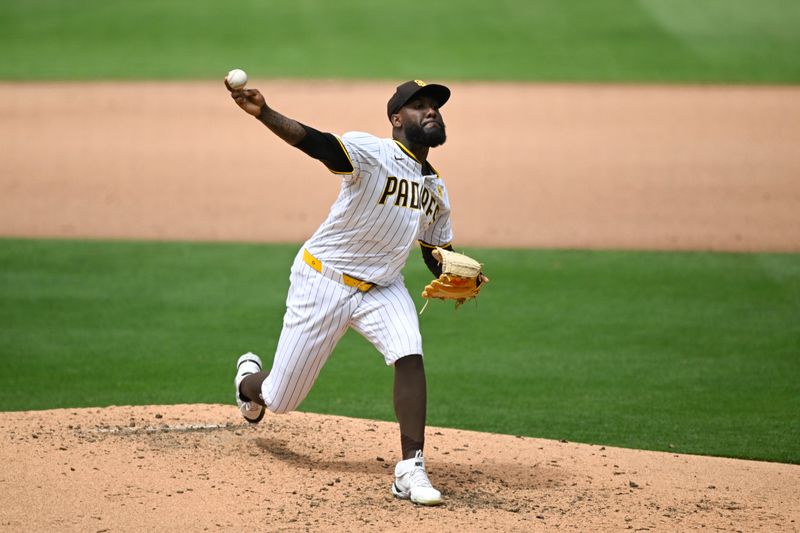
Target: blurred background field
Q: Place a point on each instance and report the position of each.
(687, 352)
(710, 41)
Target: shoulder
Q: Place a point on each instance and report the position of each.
(361, 139)
(360, 136)
(364, 146)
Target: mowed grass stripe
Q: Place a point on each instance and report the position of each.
(688, 352)
(546, 40)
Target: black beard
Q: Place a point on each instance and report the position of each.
(431, 137)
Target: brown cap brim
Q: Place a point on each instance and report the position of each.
(412, 89)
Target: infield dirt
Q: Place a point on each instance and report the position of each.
(199, 468)
(700, 168)
(692, 168)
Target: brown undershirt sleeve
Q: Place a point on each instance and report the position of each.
(326, 148)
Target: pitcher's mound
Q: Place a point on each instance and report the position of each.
(199, 468)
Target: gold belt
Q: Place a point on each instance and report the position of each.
(350, 281)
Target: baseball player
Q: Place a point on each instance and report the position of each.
(347, 275)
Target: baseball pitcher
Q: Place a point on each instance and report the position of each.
(347, 274)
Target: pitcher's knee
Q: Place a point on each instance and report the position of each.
(281, 408)
(285, 389)
(280, 404)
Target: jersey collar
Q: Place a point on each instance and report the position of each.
(407, 151)
(410, 154)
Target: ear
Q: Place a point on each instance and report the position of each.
(395, 120)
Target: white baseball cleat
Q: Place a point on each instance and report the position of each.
(248, 364)
(411, 482)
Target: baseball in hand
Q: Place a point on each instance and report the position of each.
(237, 78)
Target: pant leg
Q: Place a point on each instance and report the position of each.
(388, 319)
(317, 315)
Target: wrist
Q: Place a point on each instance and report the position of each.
(262, 113)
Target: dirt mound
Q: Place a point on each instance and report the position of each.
(198, 468)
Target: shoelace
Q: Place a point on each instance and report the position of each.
(420, 478)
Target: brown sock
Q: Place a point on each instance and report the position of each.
(250, 387)
(410, 401)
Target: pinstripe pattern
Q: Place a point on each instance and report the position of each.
(369, 240)
(318, 312)
(383, 208)
(388, 319)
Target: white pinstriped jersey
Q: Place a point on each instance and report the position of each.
(383, 208)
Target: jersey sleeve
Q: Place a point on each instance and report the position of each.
(363, 150)
(439, 232)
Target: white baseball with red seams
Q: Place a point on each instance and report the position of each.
(385, 205)
(237, 78)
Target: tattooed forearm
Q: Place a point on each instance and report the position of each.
(287, 129)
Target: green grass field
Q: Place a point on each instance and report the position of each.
(739, 41)
(690, 352)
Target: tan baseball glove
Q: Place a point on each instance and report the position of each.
(461, 278)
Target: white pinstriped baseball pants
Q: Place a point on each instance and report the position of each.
(318, 312)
